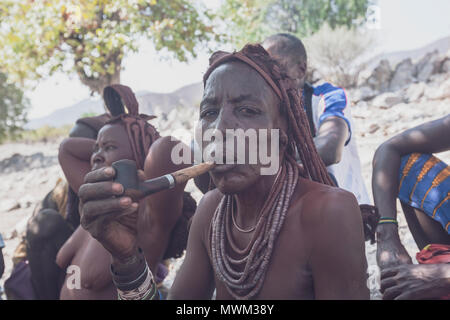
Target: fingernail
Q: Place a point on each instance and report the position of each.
(109, 171)
(134, 205)
(117, 188)
(125, 201)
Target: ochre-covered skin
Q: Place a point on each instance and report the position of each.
(150, 221)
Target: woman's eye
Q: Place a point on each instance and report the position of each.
(208, 113)
(109, 148)
(248, 111)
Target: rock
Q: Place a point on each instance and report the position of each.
(18, 162)
(362, 104)
(387, 100)
(438, 78)
(403, 75)
(428, 65)
(9, 205)
(25, 204)
(438, 92)
(13, 234)
(363, 93)
(380, 77)
(373, 128)
(15, 207)
(445, 68)
(415, 91)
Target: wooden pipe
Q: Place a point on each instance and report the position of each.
(126, 175)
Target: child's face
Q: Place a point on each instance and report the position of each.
(112, 145)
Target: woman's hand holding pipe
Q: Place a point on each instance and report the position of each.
(107, 216)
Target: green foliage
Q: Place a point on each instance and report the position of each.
(89, 114)
(253, 20)
(90, 37)
(44, 133)
(13, 107)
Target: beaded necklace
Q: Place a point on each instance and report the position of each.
(256, 255)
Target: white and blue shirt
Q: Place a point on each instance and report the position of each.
(330, 101)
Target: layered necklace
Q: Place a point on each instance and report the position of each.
(256, 255)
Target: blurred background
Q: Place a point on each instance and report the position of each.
(56, 56)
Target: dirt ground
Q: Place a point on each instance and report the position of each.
(29, 171)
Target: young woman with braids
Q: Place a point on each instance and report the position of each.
(159, 222)
(285, 236)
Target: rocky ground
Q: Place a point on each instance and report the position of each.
(414, 96)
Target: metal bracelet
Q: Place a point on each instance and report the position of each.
(130, 285)
(143, 292)
(171, 180)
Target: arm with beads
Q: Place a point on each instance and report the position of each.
(426, 138)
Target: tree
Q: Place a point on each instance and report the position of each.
(253, 20)
(90, 37)
(339, 55)
(13, 107)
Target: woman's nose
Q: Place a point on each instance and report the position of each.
(98, 157)
(225, 120)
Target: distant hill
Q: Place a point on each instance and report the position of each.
(441, 45)
(149, 103)
(189, 96)
(67, 115)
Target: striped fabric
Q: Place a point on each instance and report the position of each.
(425, 185)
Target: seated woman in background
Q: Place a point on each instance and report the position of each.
(54, 219)
(404, 167)
(160, 220)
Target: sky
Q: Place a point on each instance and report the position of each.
(402, 25)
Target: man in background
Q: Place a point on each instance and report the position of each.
(328, 114)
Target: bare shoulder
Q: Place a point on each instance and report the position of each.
(162, 148)
(321, 204)
(163, 143)
(159, 158)
(208, 205)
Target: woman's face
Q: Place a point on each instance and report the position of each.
(112, 145)
(237, 97)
